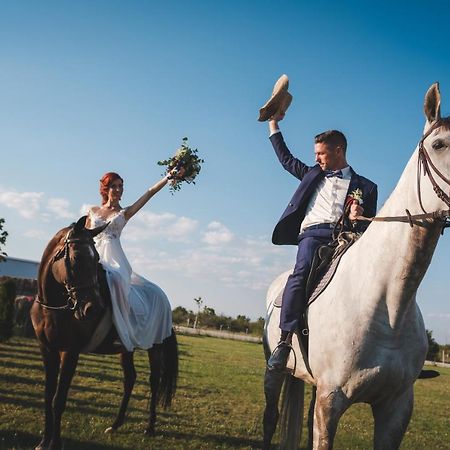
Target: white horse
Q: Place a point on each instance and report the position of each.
(367, 340)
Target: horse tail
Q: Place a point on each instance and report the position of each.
(169, 370)
(291, 421)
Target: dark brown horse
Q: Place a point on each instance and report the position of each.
(73, 297)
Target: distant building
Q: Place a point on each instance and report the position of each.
(19, 268)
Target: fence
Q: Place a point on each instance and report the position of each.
(219, 334)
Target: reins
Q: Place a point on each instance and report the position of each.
(72, 289)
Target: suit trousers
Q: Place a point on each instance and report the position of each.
(294, 295)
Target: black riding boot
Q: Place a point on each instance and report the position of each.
(279, 357)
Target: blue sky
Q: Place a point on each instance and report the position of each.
(92, 86)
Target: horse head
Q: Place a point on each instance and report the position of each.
(75, 266)
(434, 155)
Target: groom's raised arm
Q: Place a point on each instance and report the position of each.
(292, 164)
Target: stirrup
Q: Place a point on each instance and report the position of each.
(291, 349)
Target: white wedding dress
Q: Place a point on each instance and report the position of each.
(141, 310)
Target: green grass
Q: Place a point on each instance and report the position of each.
(219, 402)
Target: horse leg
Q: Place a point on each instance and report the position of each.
(273, 382)
(154, 358)
(51, 361)
(129, 378)
(329, 406)
(69, 362)
(391, 420)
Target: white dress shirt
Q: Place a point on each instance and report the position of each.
(327, 202)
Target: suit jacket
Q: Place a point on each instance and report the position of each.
(288, 227)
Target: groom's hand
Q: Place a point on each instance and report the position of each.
(279, 115)
(356, 210)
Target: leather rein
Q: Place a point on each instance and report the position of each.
(425, 165)
(72, 289)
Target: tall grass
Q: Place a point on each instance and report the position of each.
(218, 405)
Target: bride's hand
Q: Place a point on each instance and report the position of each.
(177, 173)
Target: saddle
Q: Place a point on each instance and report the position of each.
(324, 265)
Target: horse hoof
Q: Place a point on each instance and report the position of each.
(110, 430)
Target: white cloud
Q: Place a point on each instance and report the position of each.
(217, 234)
(27, 204)
(60, 208)
(247, 263)
(35, 234)
(85, 207)
(444, 316)
(147, 225)
(30, 205)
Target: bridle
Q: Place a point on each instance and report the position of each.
(72, 289)
(424, 165)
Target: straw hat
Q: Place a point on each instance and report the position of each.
(279, 101)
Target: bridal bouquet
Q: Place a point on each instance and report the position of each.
(187, 158)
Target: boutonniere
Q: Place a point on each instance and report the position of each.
(355, 195)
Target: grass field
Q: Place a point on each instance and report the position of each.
(219, 402)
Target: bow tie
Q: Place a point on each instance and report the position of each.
(333, 173)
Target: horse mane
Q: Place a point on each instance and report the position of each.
(46, 281)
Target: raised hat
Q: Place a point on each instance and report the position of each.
(279, 101)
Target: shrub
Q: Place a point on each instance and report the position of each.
(433, 347)
(7, 295)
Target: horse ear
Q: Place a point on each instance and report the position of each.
(80, 224)
(94, 231)
(432, 104)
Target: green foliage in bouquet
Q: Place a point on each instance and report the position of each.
(184, 157)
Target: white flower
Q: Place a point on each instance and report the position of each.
(357, 195)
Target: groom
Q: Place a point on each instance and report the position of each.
(311, 215)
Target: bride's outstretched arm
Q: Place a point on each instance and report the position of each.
(138, 204)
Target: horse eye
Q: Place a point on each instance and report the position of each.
(438, 144)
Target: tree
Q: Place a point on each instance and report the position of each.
(257, 327)
(208, 311)
(433, 347)
(240, 324)
(3, 235)
(7, 296)
(180, 315)
(199, 302)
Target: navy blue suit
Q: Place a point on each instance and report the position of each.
(288, 227)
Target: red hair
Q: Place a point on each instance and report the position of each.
(105, 183)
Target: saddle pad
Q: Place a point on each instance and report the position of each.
(345, 243)
(279, 299)
(346, 240)
(327, 277)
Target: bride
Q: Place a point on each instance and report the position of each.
(141, 310)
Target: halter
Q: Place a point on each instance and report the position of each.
(72, 289)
